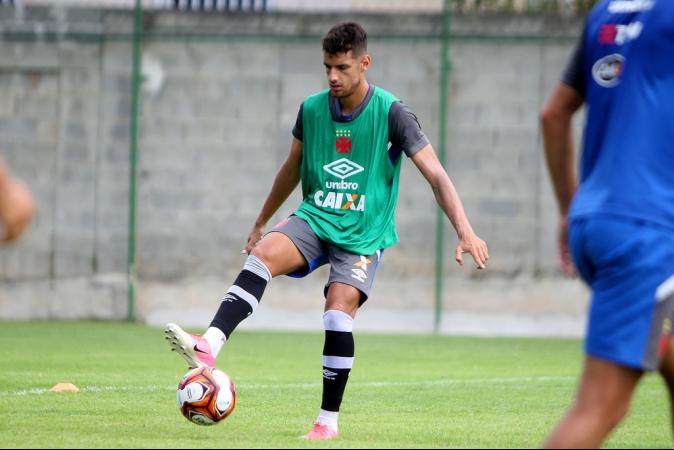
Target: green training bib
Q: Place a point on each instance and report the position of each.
(349, 183)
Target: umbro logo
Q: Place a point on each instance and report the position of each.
(343, 168)
(229, 298)
(329, 375)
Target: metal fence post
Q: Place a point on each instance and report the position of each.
(442, 151)
(133, 160)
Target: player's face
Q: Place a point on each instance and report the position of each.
(345, 72)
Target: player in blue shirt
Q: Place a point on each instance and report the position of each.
(617, 224)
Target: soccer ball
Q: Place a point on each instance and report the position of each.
(206, 396)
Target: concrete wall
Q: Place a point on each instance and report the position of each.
(216, 113)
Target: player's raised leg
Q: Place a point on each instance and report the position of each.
(274, 255)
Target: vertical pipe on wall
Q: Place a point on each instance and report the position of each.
(442, 153)
(133, 161)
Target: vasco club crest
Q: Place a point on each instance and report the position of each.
(343, 142)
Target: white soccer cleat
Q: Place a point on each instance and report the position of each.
(194, 349)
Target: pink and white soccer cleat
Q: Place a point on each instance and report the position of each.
(321, 432)
(194, 349)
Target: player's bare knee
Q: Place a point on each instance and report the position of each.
(343, 298)
(261, 253)
(344, 305)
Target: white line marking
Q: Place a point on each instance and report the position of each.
(245, 386)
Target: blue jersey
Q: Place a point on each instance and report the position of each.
(627, 71)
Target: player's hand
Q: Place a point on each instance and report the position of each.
(17, 208)
(477, 249)
(255, 236)
(565, 260)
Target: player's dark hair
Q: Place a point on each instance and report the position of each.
(344, 37)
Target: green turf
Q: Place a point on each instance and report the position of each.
(405, 391)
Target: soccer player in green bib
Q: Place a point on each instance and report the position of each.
(347, 153)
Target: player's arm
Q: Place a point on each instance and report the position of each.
(17, 206)
(445, 194)
(287, 179)
(559, 154)
(556, 123)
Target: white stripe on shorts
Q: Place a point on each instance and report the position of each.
(665, 290)
(250, 298)
(337, 362)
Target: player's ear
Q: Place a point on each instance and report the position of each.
(365, 61)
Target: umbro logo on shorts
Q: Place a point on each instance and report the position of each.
(360, 273)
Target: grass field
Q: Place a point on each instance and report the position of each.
(405, 391)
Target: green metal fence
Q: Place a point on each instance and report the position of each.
(448, 28)
(224, 6)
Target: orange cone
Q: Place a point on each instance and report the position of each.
(64, 387)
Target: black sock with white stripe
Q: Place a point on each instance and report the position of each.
(338, 357)
(243, 297)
